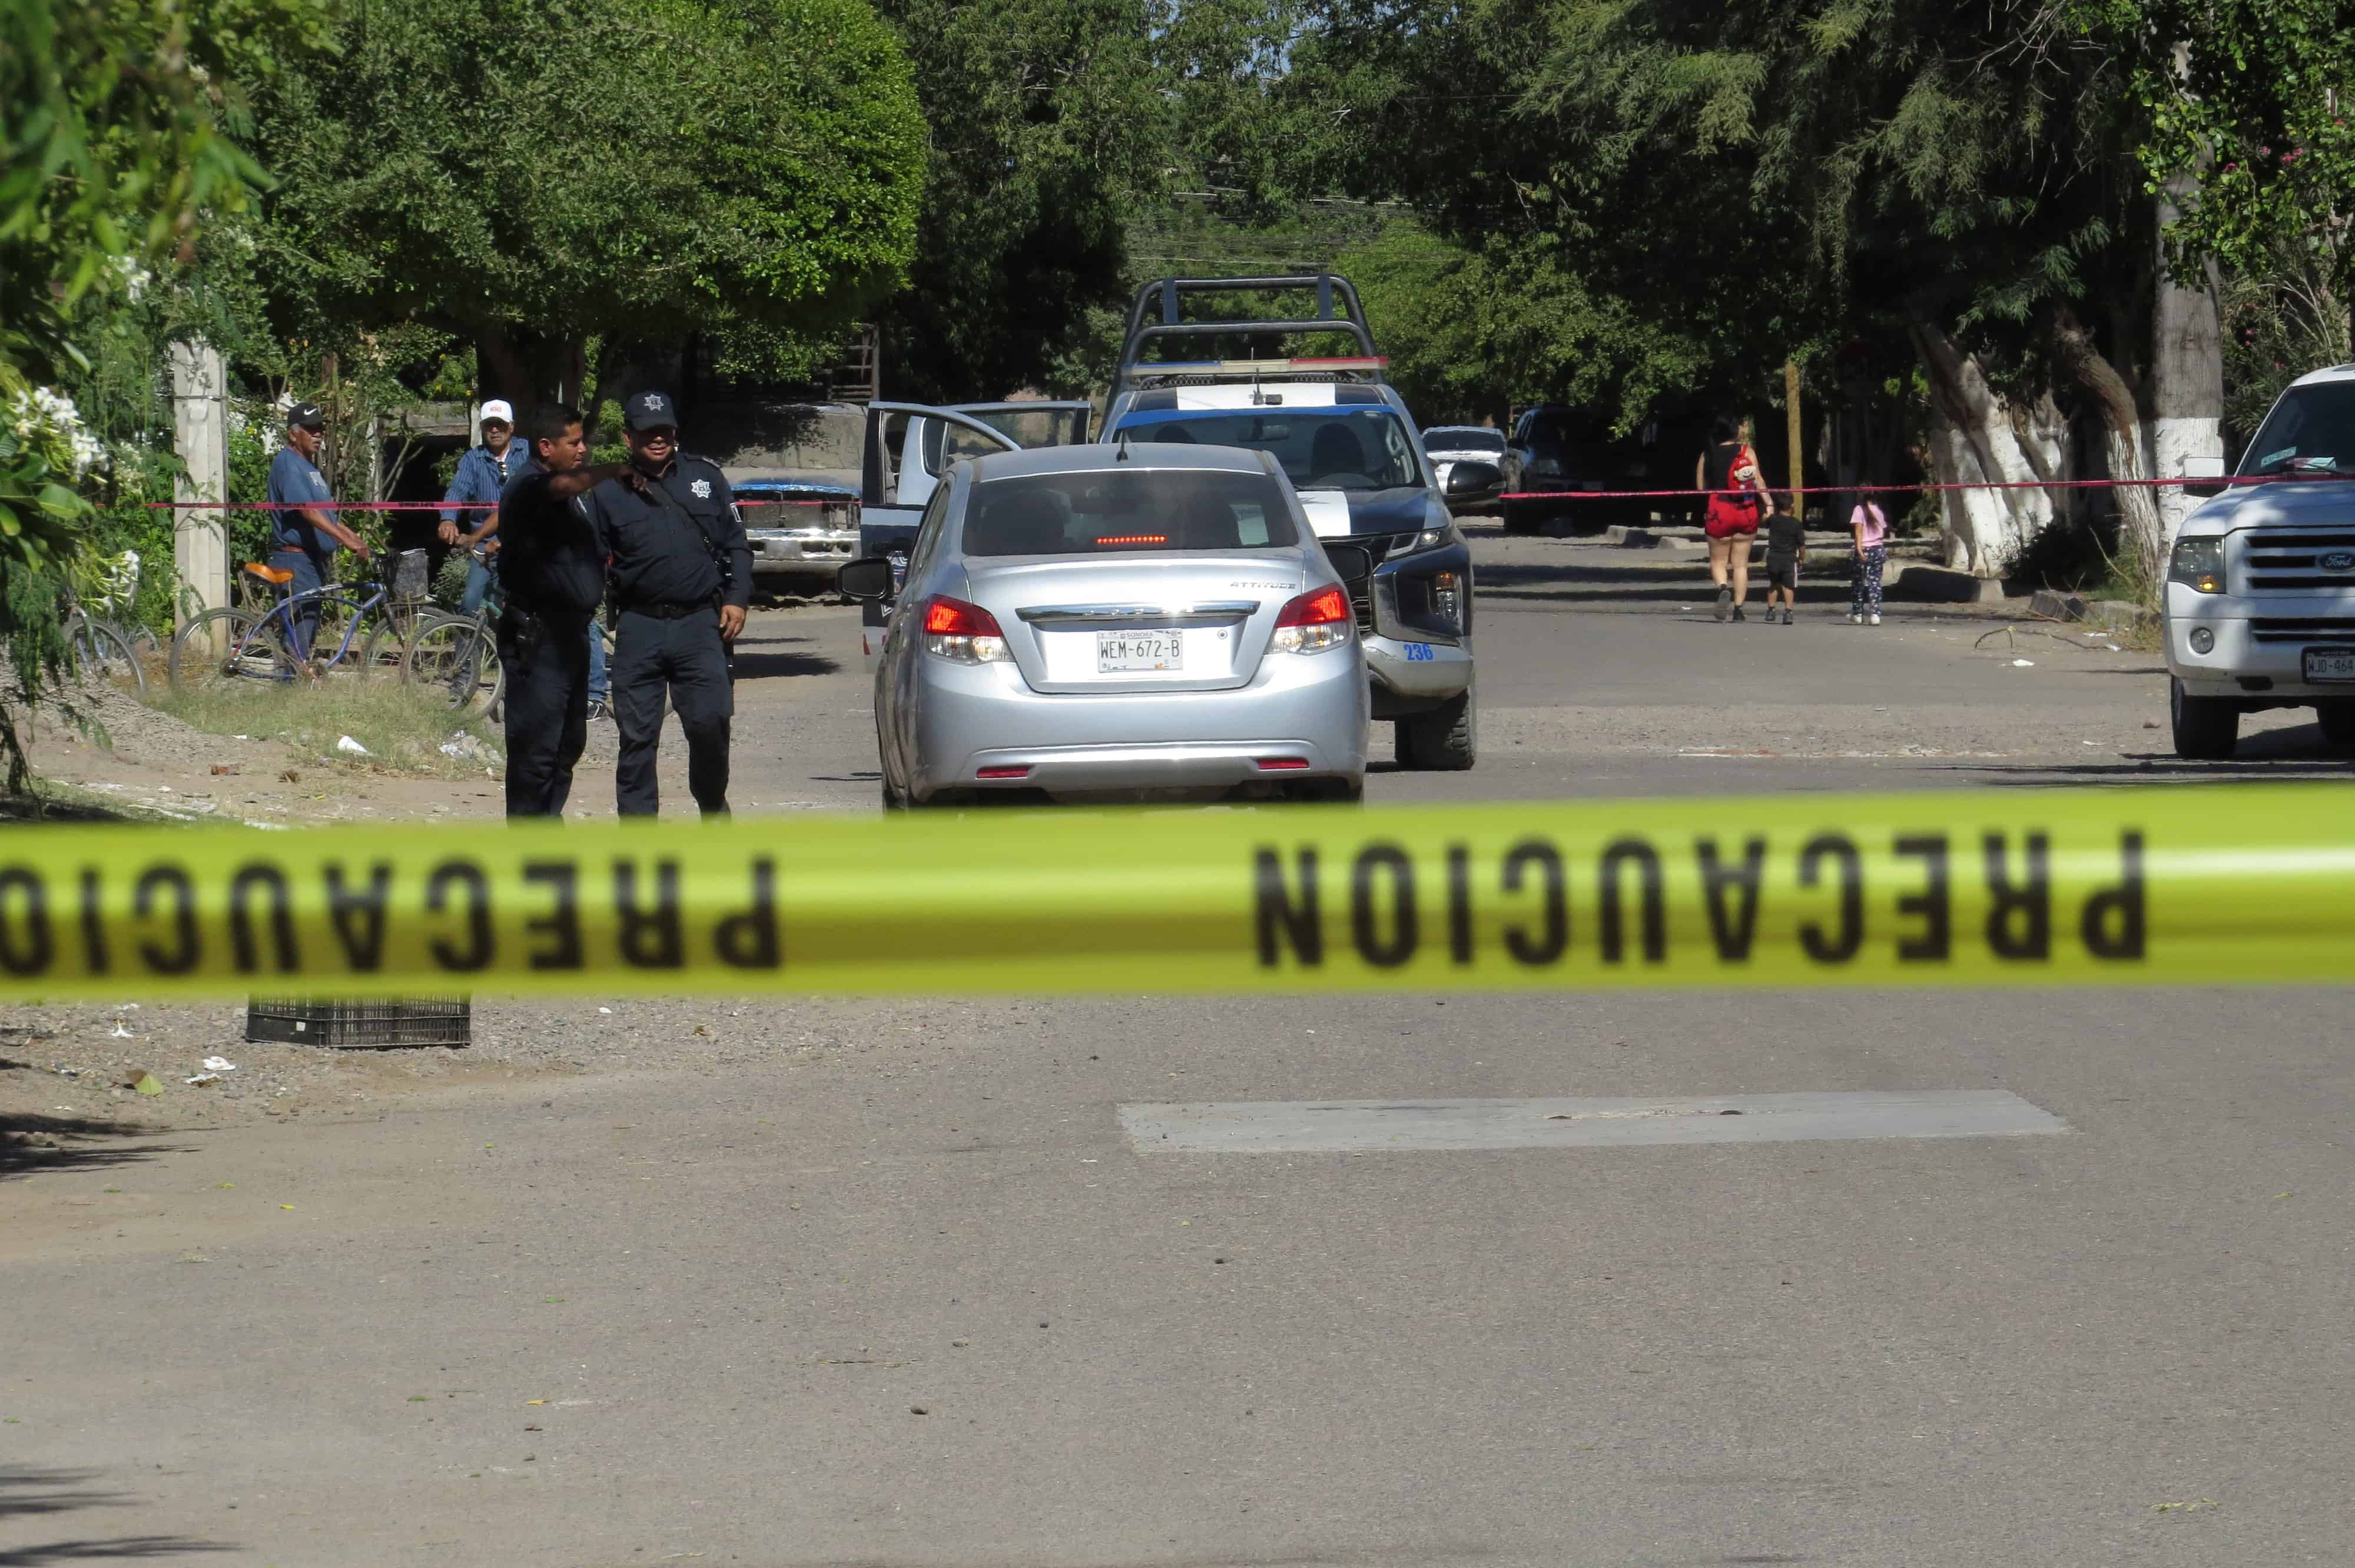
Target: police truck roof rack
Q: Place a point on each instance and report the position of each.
(1349, 320)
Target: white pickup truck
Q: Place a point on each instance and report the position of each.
(2260, 602)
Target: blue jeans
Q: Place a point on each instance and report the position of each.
(597, 687)
(305, 620)
(479, 578)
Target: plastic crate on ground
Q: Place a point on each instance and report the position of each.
(363, 1025)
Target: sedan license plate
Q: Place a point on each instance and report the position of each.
(2324, 665)
(1139, 652)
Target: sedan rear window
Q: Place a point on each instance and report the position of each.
(1462, 439)
(1117, 510)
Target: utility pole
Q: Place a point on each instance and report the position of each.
(200, 437)
(1795, 427)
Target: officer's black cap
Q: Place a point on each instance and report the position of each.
(649, 411)
(305, 416)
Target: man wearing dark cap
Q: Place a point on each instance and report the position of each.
(304, 531)
(551, 568)
(682, 577)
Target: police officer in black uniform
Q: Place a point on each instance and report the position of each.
(551, 567)
(682, 576)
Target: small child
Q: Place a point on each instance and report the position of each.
(1871, 530)
(1786, 550)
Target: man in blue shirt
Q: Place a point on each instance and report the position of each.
(481, 474)
(304, 533)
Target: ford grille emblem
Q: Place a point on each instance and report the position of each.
(2339, 561)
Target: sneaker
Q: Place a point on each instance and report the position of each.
(1738, 615)
(1786, 615)
(597, 711)
(1855, 619)
(1724, 601)
(1874, 618)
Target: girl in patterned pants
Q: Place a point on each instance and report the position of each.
(1871, 531)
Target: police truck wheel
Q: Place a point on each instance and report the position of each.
(1444, 740)
(1520, 517)
(2338, 720)
(2206, 728)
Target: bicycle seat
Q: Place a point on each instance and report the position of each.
(278, 575)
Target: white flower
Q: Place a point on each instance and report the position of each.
(45, 416)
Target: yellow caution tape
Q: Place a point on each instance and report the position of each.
(2183, 885)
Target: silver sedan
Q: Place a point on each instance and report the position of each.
(1119, 622)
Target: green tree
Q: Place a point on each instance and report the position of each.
(527, 175)
(2247, 107)
(1049, 127)
(1473, 330)
(115, 147)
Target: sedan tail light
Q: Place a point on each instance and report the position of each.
(962, 633)
(1312, 622)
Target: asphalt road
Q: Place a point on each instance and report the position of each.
(889, 1283)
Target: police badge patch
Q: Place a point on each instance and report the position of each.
(702, 488)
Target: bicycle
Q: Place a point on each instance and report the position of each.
(97, 647)
(235, 643)
(460, 653)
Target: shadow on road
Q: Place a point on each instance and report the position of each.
(757, 662)
(31, 1142)
(32, 1492)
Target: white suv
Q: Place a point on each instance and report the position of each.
(2260, 606)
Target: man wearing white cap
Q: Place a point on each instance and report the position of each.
(470, 511)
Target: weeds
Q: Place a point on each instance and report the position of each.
(403, 727)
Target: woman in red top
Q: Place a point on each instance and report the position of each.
(1727, 469)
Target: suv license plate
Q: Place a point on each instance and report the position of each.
(2324, 665)
(1144, 653)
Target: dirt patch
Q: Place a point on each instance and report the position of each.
(151, 765)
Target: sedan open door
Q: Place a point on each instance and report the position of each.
(908, 449)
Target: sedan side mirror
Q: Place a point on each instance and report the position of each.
(1468, 477)
(868, 580)
(1353, 564)
(2205, 474)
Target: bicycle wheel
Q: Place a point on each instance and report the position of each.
(101, 651)
(457, 657)
(222, 646)
(383, 647)
(339, 641)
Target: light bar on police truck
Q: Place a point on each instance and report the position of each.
(1257, 366)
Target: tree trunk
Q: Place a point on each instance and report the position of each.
(2141, 535)
(1977, 438)
(501, 369)
(2187, 375)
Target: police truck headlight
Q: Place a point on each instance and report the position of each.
(2199, 564)
(2203, 640)
(1438, 529)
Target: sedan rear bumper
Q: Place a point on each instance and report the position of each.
(1304, 708)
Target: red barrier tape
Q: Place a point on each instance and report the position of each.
(384, 506)
(1924, 489)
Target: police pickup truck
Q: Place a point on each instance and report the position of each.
(1348, 444)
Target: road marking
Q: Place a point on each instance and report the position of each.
(1285, 1127)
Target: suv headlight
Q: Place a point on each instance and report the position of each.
(2199, 564)
(1431, 538)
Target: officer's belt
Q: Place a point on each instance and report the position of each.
(662, 610)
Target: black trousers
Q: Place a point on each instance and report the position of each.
(547, 708)
(686, 660)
